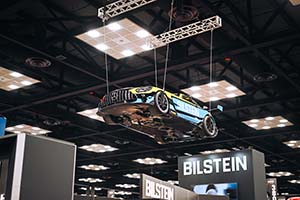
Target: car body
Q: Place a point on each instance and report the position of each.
(162, 115)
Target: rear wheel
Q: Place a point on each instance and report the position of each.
(209, 126)
(162, 102)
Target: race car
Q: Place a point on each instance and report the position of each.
(162, 115)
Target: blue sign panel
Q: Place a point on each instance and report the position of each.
(2, 125)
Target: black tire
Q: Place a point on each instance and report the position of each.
(209, 127)
(162, 102)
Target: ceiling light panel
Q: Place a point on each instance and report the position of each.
(293, 144)
(150, 161)
(11, 80)
(91, 113)
(98, 148)
(214, 91)
(127, 186)
(120, 39)
(295, 2)
(122, 193)
(134, 176)
(268, 123)
(214, 151)
(91, 180)
(94, 167)
(280, 174)
(295, 181)
(24, 128)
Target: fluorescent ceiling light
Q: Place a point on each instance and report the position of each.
(93, 34)
(150, 161)
(213, 91)
(268, 123)
(91, 113)
(142, 34)
(127, 186)
(118, 37)
(94, 167)
(295, 144)
(279, 174)
(98, 148)
(102, 47)
(134, 176)
(11, 80)
(214, 151)
(114, 26)
(91, 180)
(127, 52)
(24, 128)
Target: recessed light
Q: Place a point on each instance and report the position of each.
(98, 148)
(93, 167)
(281, 125)
(269, 118)
(114, 26)
(16, 74)
(13, 87)
(195, 88)
(231, 88)
(266, 127)
(102, 47)
(254, 120)
(283, 121)
(146, 47)
(197, 95)
(213, 84)
(142, 34)
(127, 186)
(26, 83)
(134, 176)
(93, 34)
(127, 52)
(231, 95)
(253, 125)
(214, 98)
(91, 180)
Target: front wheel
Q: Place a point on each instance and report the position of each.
(209, 126)
(162, 102)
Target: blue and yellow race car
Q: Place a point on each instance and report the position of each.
(160, 114)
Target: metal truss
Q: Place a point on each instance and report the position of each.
(120, 7)
(185, 32)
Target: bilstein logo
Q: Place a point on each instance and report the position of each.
(158, 191)
(217, 165)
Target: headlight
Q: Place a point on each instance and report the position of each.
(143, 89)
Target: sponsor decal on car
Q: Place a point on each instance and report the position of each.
(186, 107)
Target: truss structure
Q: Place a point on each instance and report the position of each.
(120, 7)
(185, 32)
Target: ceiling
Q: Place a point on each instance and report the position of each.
(257, 37)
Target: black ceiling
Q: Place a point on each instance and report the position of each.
(257, 37)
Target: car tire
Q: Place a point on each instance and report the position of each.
(209, 127)
(162, 102)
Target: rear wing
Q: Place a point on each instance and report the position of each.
(219, 108)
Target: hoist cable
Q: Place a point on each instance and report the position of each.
(168, 47)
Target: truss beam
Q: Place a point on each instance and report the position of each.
(187, 31)
(120, 7)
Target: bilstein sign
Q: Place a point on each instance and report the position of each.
(152, 188)
(156, 189)
(246, 168)
(216, 165)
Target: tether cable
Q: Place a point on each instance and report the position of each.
(211, 63)
(155, 66)
(105, 54)
(168, 47)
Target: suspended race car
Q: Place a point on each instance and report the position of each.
(162, 115)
